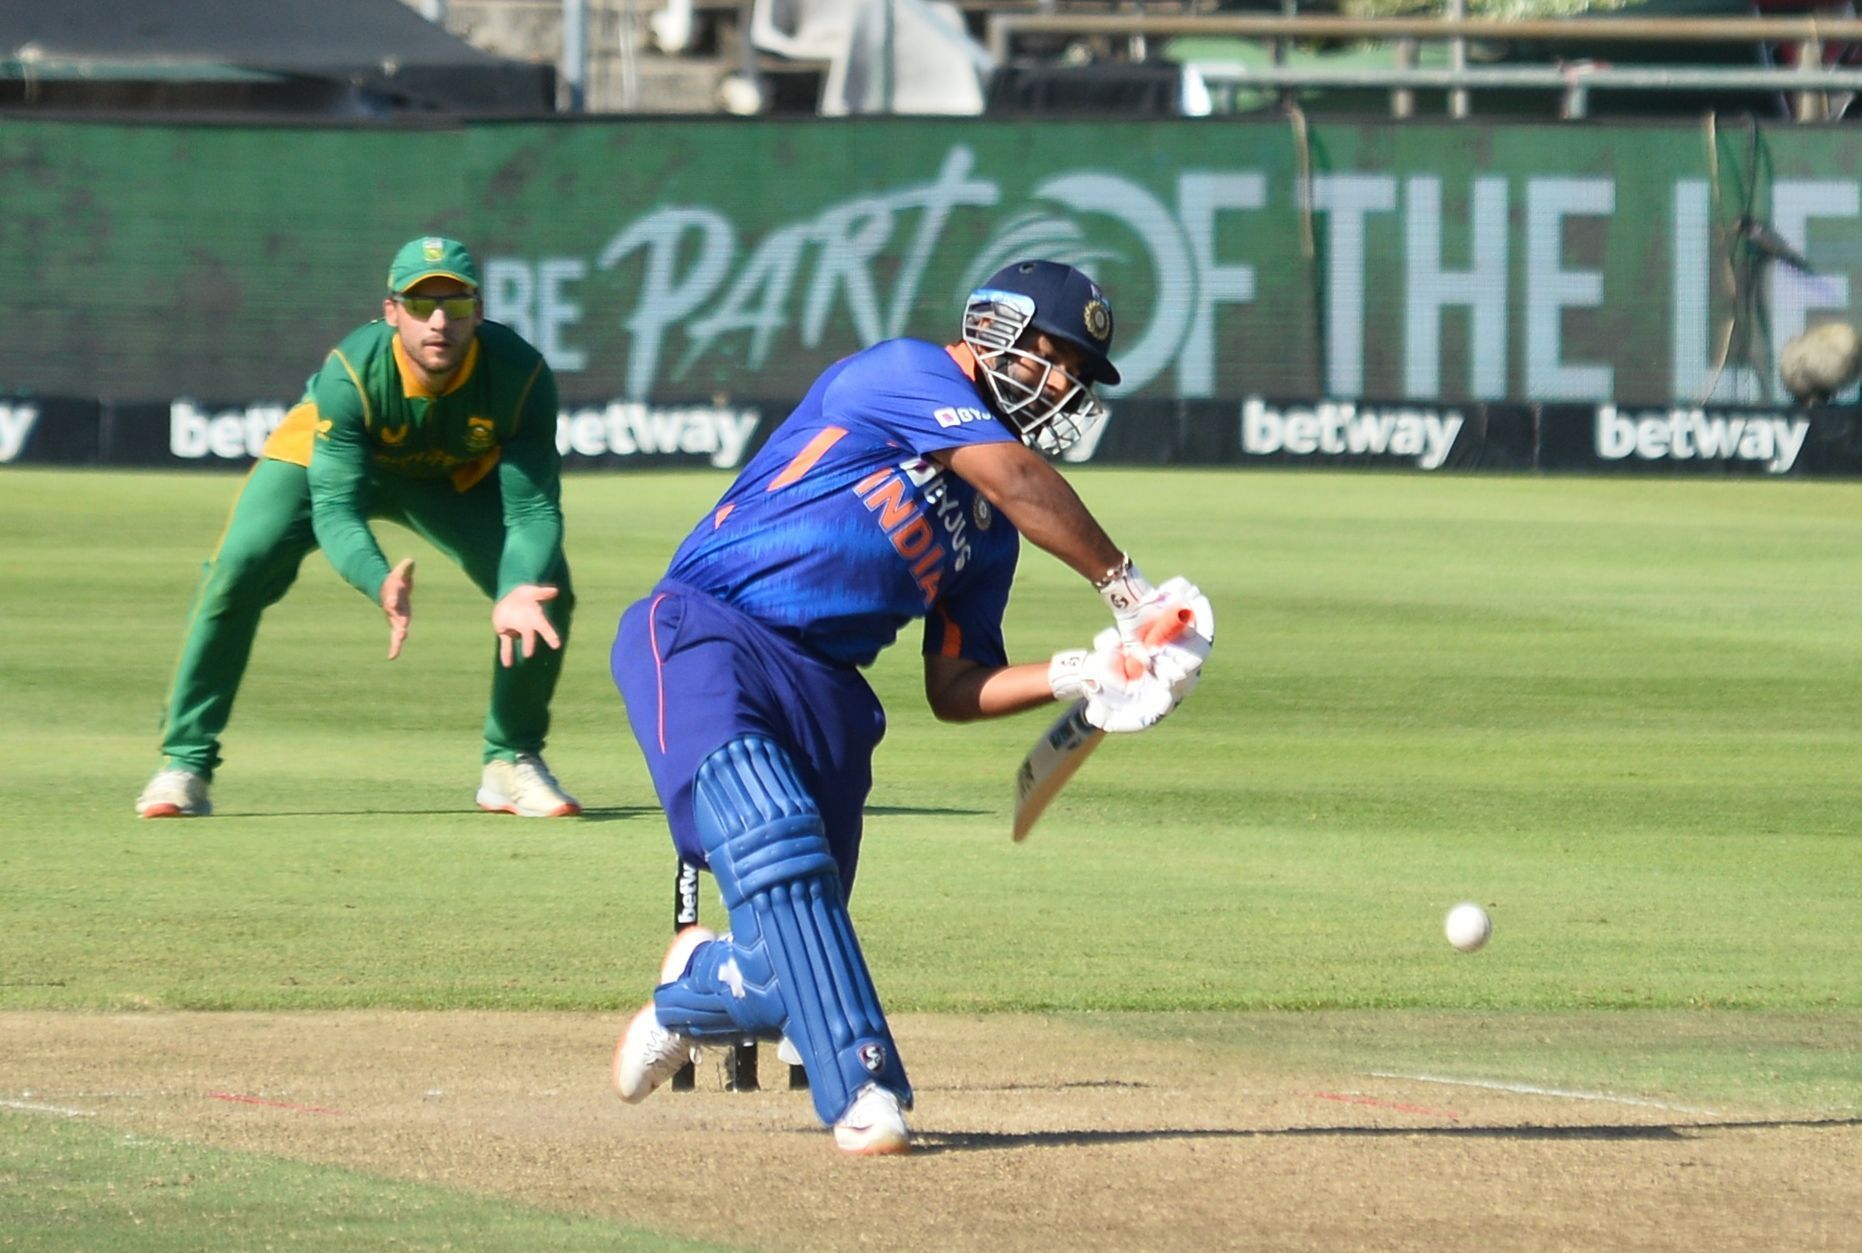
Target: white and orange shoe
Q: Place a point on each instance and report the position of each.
(874, 1124)
(524, 787)
(648, 1054)
(174, 793)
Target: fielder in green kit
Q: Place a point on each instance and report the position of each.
(439, 420)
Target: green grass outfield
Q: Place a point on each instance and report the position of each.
(1625, 714)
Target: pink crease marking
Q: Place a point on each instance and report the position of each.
(242, 1099)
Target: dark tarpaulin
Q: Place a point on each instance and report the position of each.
(379, 47)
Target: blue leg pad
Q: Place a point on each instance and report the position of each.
(763, 836)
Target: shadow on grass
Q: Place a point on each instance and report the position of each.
(593, 813)
(607, 813)
(979, 1141)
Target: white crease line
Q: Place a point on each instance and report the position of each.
(1528, 1089)
(29, 1107)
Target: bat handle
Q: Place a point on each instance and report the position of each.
(1156, 633)
(1166, 627)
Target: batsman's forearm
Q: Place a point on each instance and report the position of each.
(1072, 536)
(987, 691)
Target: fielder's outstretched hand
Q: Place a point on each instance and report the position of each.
(397, 601)
(519, 616)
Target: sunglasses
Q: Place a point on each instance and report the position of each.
(457, 308)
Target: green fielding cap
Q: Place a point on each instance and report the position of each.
(430, 256)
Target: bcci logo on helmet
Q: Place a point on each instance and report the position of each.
(873, 1057)
(1098, 319)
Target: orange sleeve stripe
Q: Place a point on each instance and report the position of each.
(805, 459)
(717, 519)
(953, 637)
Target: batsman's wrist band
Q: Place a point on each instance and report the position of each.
(1114, 574)
(1123, 588)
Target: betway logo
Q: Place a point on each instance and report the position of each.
(631, 429)
(231, 434)
(16, 423)
(1689, 434)
(1425, 436)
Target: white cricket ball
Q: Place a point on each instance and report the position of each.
(1468, 927)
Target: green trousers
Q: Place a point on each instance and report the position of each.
(265, 543)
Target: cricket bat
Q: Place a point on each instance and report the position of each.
(1058, 755)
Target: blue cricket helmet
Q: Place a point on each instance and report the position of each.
(1067, 305)
(1040, 400)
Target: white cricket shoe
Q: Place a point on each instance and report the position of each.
(648, 1054)
(524, 787)
(174, 793)
(873, 1124)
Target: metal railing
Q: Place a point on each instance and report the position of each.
(1805, 82)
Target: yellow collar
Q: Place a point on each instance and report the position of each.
(411, 385)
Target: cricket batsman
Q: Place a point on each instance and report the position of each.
(896, 490)
(434, 418)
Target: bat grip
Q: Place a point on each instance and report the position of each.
(1166, 627)
(1156, 633)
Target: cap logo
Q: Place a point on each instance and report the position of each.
(432, 249)
(1098, 318)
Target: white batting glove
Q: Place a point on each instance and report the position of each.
(1067, 676)
(1078, 673)
(1120, 691)
(1136, 705)
(1179, 661)
(1130, 597)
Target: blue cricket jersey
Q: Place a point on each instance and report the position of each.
(842, 528)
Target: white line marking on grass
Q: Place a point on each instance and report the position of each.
(1530, 1089)
(30, 1107)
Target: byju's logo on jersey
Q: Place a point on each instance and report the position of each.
(949, 416)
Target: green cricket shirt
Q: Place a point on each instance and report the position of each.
(377, 423)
